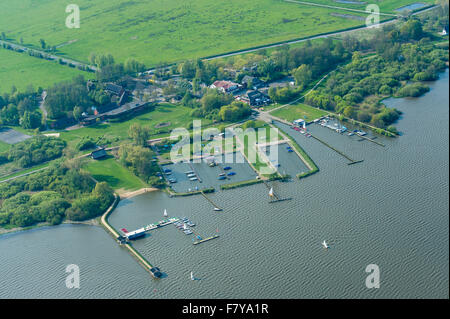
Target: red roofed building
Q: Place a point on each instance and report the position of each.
(225, 86)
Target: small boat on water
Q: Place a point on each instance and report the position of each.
(271, 194)
(227, 168)
(187, 231)
(192, 276)
(165, 213)
(221, 178)
(231, 174)
(217, 209)
(325, 245)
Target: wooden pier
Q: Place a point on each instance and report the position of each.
(195, 172)
(217, 208)
(277, 199)
(371, 140)
(351, 161)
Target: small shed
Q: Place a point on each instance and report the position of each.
(97, 154)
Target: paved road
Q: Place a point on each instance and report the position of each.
(52, 56)
(340, 8)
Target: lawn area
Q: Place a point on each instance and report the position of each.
(116, 132)
(298, 111)
(4, 146)
(154, 31)
(112, 172)
(22, 70)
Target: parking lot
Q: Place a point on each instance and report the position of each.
(11, 136)
(289, 162)
(235, 170)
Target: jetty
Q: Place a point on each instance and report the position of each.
(154, 271)
(371, 140)
(205, 239)
(195, 172)
(274, 195)
(216, 208)
(351, 161)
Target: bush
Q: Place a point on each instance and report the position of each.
(413, 90)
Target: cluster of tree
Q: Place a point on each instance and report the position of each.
(87, 142)
(20, 109)
(91, 205)
(109, 70)
(403, 55)
(139, 134)
(284, 94)
(413, 90)
(138, 159)
(34, 151)
(59, 192)
(63, 97)
(234, 112)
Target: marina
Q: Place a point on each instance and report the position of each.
(252, 232)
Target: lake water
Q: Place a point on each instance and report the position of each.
(390, 210)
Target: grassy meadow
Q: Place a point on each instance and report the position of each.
(155, 31)
(117, 132)
(298, 111)
(112, 172)
(21, 70)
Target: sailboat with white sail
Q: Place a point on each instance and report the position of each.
(165, 213)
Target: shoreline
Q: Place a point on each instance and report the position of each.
(89, 222)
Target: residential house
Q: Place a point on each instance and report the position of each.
(252, 82)
(257, 98)
(225, 86)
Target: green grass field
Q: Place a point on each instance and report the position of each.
(21, 70)
(154, 31)
(112, 172)
(116, 132)
(4, 146)
(298, 111)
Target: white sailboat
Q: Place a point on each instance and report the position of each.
(185, 226)
(325, 245)
(271, 192)
(165, 213)
(192, 276)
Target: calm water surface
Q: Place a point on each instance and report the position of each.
(390, 210)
